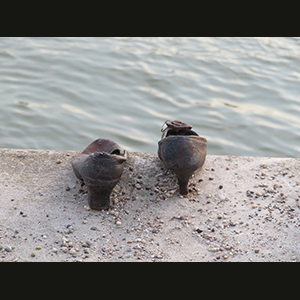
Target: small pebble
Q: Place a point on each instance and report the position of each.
(32, 254)
(93, 228)
(138, 186)
(64, 249)
(8, 249)
(256, 250)
(58, 162)
(72, 251)
(118, 223)
(54, 250)
(67, 188)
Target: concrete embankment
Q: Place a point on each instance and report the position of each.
(238, 209)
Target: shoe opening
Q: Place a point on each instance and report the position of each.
(181, 132)
(117, 152)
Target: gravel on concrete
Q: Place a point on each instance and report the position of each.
(238, 209)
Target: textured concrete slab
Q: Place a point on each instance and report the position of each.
(238, 209)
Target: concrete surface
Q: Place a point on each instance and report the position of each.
(239, 209)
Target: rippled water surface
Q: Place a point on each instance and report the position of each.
(242, 94)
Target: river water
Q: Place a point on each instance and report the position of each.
(242, 94)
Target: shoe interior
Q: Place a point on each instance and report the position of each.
(181, 132)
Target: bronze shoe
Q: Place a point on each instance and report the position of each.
(100, 167)
(182, 151)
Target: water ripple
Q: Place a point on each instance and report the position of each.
(62, 93)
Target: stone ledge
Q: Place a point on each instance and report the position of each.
(238, 209)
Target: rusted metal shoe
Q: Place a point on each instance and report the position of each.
(182, 151)
(100, 167)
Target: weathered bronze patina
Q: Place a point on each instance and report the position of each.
(100, 167)
(182, 151)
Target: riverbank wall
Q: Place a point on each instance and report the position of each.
(238, 209)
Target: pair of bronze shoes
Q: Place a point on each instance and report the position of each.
(100, 165)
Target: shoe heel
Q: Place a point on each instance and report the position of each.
(98, 197)
(183, 182)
